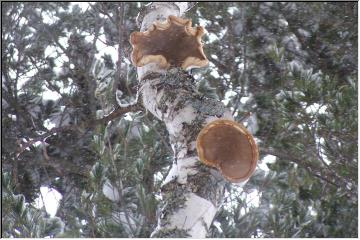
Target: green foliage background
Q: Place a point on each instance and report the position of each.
(292, 65)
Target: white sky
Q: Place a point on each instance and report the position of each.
(50, 199)
(267, 159)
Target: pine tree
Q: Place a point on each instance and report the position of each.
(288, 71)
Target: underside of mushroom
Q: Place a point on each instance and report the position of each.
(228, 146)
(173, 43)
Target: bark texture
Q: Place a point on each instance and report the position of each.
(192, 192)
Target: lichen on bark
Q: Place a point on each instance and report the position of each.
(171, 233)
(173, 197)
(206, 183)
(191, 192)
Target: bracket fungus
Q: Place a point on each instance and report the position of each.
(229, 147)
(170, 43)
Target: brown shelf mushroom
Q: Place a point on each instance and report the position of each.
(228, 146)
(171, 43)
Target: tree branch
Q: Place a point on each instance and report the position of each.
(117, 112)
(306, 165)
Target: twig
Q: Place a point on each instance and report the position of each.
(245, 116)
(120, 187)
(306, 165)
(117, 112)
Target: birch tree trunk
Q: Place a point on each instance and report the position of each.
(192, 192)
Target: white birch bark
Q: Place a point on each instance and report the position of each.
(192, 192)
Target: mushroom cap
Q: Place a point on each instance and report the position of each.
(170, 43)
(228, 146)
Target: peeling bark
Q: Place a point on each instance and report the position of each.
(191, 192)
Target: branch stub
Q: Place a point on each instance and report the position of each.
(229, 147)
(170, 43)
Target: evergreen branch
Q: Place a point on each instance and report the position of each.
(117, 112)
(311, 168)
